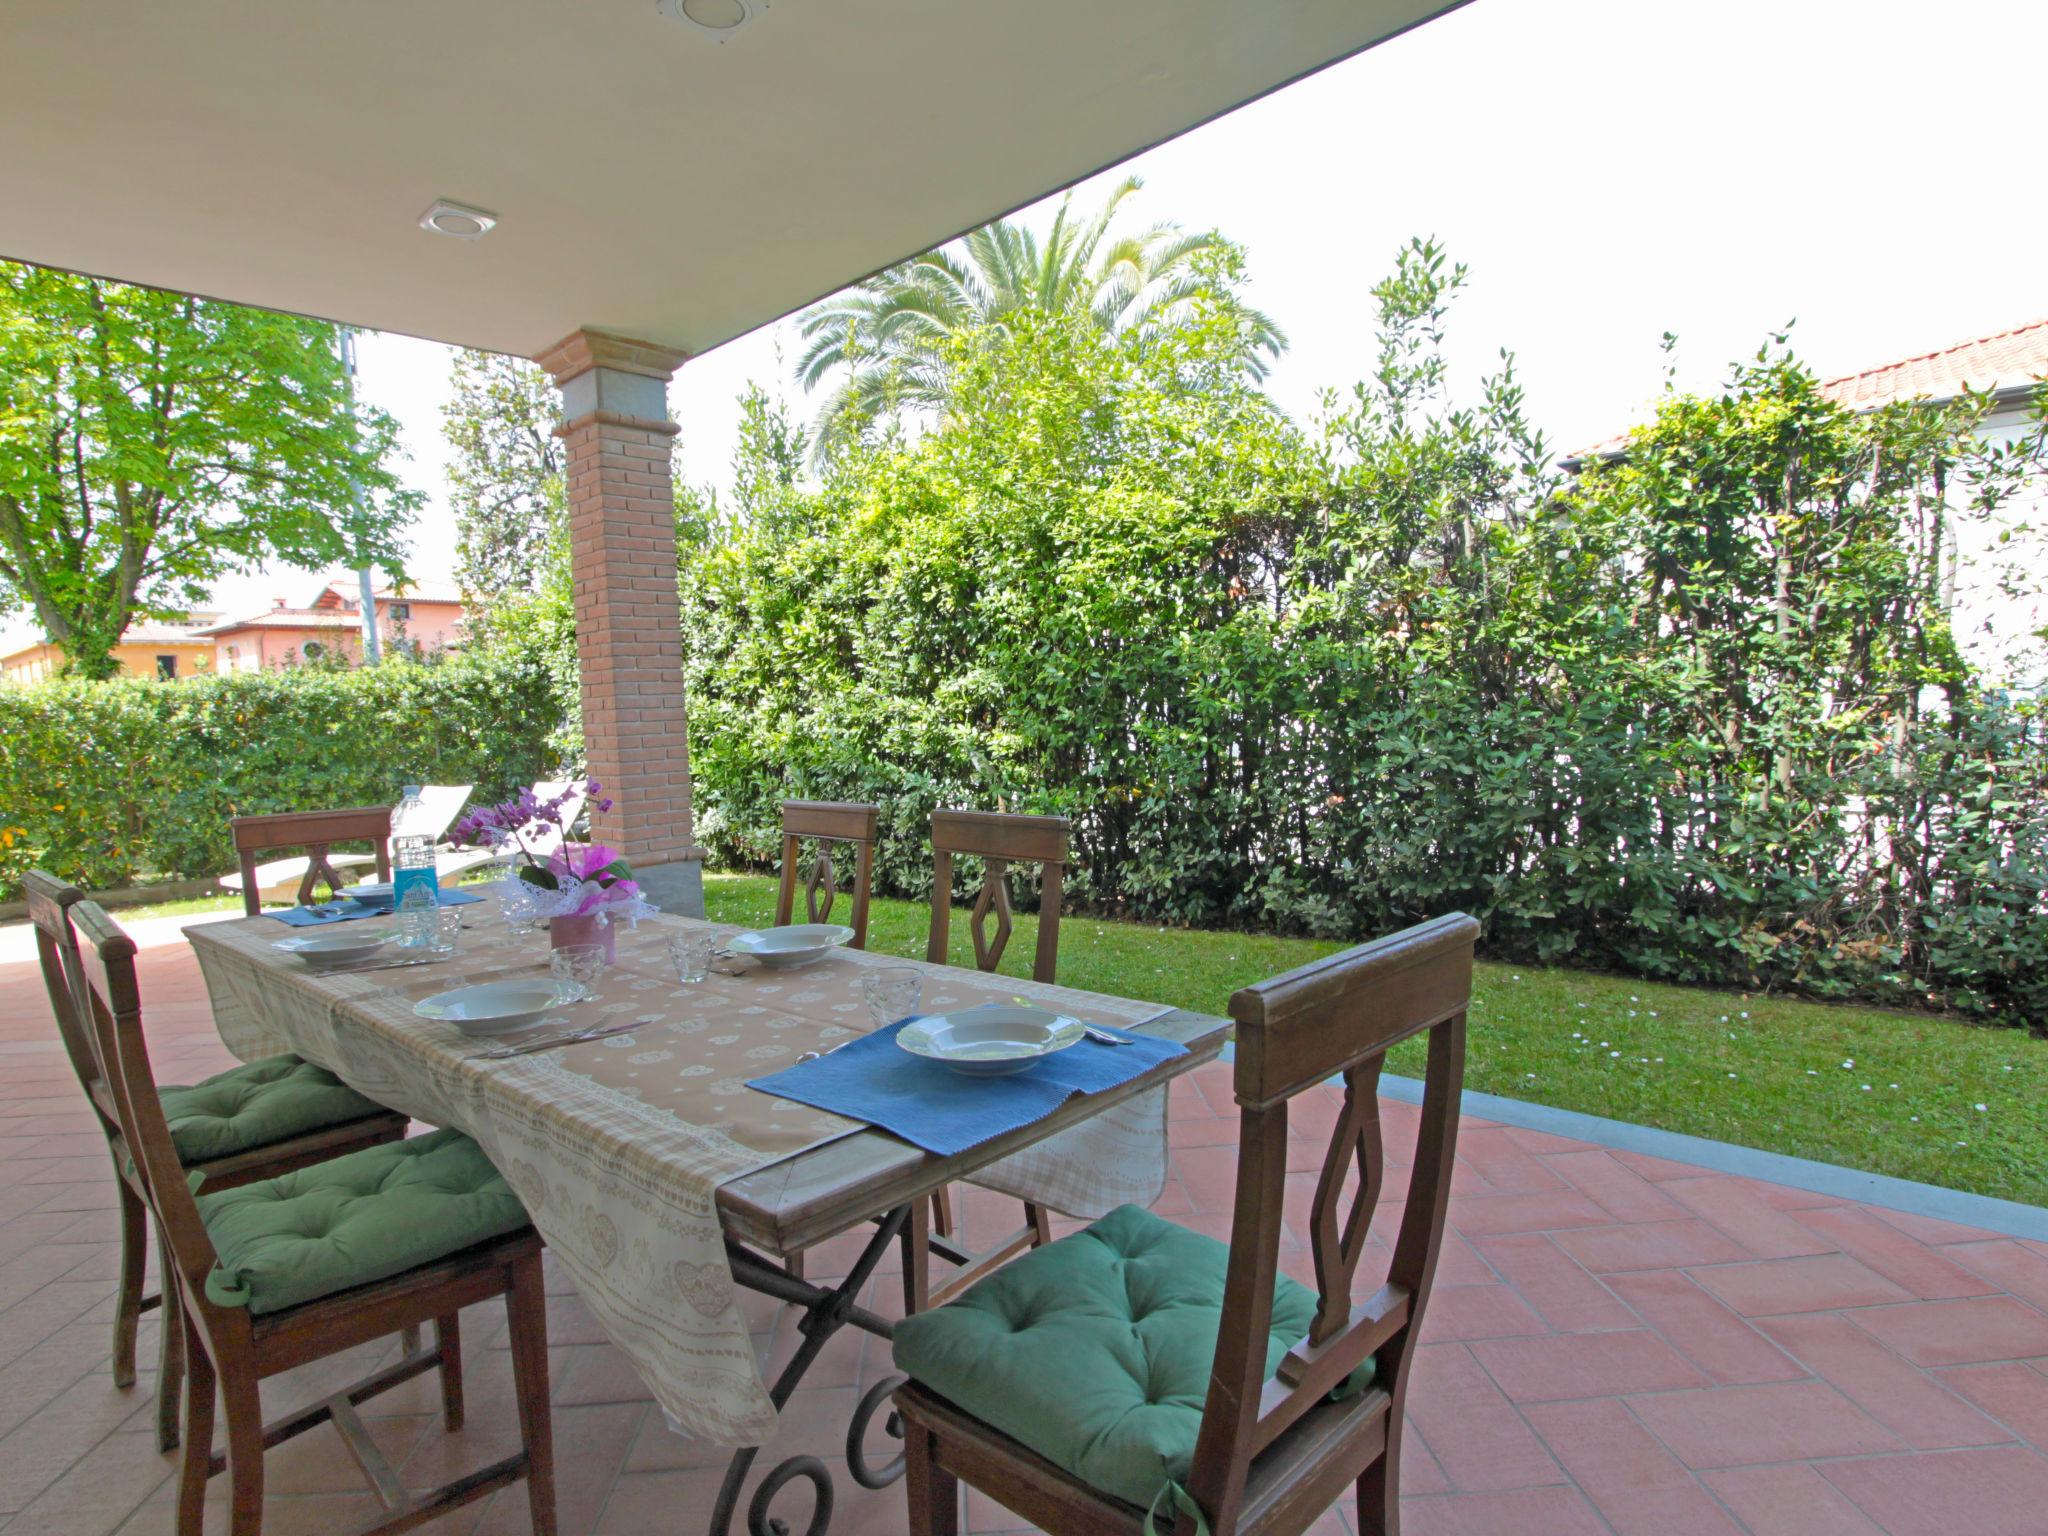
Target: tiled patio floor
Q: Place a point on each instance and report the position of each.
(1617, 1345)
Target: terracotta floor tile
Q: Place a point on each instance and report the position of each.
(2009, 1266)
(1959, 1332)
(1932, 1231)
(1911, 1265)
(1781, 1421)
(1524, 1512)
(2014, 1394)
(1480, 1441)
(1905, 1399)
(1478, 1312)
(1651, 1245)
(1725, 1346)
(1555, 1284)
(1584, 1365)
(1631, 1479)
(1622, 1192)
(1999, 1492)
(1737, 1209)
(1504, 1165)
(1548, 1211)
(1824, 1281)
(1788, 1500)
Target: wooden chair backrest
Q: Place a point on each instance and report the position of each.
(316, 832)
(50, 902)
(999, 840)
(113, 1003)
(1336, 1017)
(829, 822)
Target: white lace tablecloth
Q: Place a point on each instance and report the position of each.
(617, 1147)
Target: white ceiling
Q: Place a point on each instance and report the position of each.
(650, 180)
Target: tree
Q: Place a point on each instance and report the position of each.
(889, 335)
(152, 442)
(506, 476)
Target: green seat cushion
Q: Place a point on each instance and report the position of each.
(256, 1104)
(1095, 1351)
(354, 1220)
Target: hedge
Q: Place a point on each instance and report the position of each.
(112, 783)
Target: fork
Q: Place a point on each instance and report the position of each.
(574, 1037)
(1104, 1037)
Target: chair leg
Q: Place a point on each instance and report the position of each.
(448, 1345)
(1040, 1222)
(527, 1310)
(1379, 1491)
(244, 1413)
(170, 1365)
(128, 1299)
(192, 1471)
(932, 1492)
(942, 1210)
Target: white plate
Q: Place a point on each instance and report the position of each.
(991, 1040)
(334, 948)
(782, 949)
(496, 1007)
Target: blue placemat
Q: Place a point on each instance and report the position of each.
(348, 909)
(944, 1111)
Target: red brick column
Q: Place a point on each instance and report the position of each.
(628, 641)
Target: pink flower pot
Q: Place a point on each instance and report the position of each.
(594, 928)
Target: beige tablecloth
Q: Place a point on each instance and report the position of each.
(618, 1146)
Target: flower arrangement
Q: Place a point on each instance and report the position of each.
(552, 877)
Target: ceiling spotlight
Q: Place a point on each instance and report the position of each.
(457, 222)
(720, 18)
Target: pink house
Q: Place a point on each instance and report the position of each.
(418, 619)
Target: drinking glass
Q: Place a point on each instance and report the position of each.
(891, 993)
(446, 932)
(578, 966)
(691, 953)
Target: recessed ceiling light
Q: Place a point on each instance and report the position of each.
(720, 18)
(457, 222)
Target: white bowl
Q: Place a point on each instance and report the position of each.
(496, 1007)
(783, 949)
(372, 893)
(991, 1040)
(338, 948)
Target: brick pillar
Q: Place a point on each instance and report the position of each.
(628, 638)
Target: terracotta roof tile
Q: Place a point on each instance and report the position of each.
(2003, 360)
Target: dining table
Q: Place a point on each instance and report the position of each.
(662, 1182)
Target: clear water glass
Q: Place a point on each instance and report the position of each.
(891, 993)
(577, 967)
(447, 930)
(691, 953)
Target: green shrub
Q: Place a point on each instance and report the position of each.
(109, 783)
(1696, 716)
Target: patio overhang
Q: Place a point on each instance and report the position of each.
(649, 178)
(658, 187)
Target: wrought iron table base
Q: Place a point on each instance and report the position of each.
(825, 1311)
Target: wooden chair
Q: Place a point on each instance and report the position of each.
(999, 840)
(354, 1123)
(232, 1344)
(1272, 1452)
(829, 822)
(316, 832)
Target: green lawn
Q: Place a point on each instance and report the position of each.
(1759, 1071)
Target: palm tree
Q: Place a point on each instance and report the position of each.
(889, 333)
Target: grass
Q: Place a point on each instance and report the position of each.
(1758, 1071)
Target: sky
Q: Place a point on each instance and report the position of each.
(1607, 169)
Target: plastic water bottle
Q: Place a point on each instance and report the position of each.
(414, 884)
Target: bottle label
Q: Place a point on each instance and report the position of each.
(403, 880)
